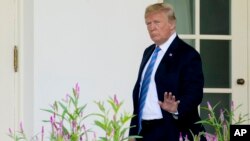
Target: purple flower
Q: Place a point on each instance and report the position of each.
(209, 116)
(66, 100)
(186, 138)
(84, 128)
(42, 133)
(21, 127)
(232, 106)
(74, 126)
(77, 90)
(209, 106)
(116, 100)
(53, 124)
(52, 120)
(211, 137)
(180, 137)
(94, 136)
(10, 131)
(222, 115)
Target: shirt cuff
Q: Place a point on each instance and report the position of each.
(175, 115)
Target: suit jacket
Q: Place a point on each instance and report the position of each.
(179, 72)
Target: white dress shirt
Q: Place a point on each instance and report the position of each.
(151, 108)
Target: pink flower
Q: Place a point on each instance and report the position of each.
(94, 136)
(52, 120)
(74, 126)
(84, 128)
(211, 137)
(232, 106)
(21, 127)
(116, 100)
(60, 129)
(66, 100)
(53, 124)
(209, 116)
(77, 90)
(209, 106)
(180, 137)
(42, 133)
(10, 131)
(186, 138)
(222, 115)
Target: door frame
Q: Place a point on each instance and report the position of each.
(25, 31)
(239, 50)
(248, 55)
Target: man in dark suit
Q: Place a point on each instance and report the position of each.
(170, 83)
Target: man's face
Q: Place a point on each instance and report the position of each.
(159, 27)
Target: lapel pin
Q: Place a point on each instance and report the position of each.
(170, 54)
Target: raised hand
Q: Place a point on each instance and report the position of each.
(170, 104)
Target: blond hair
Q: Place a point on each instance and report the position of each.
(161, 7)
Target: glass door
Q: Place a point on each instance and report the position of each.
(217, 29)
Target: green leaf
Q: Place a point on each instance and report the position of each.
(63, 106)
(130, 137)
(82, 108)
(50, 111)
(100, 124)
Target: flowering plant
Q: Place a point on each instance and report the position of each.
(113, 125)
(67, 121)
(67, 118)
(220, 124)
(18, 135)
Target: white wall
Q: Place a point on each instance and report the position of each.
(98, 43)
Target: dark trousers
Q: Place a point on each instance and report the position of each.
(157, 130)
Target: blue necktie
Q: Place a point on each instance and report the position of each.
(145, 85)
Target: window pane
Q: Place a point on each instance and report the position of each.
(224, 101)
(215, 17)
(184, 12)
(191, 42)
(216, 56)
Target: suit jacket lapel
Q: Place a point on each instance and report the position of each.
(170, 54)
(145, 60)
